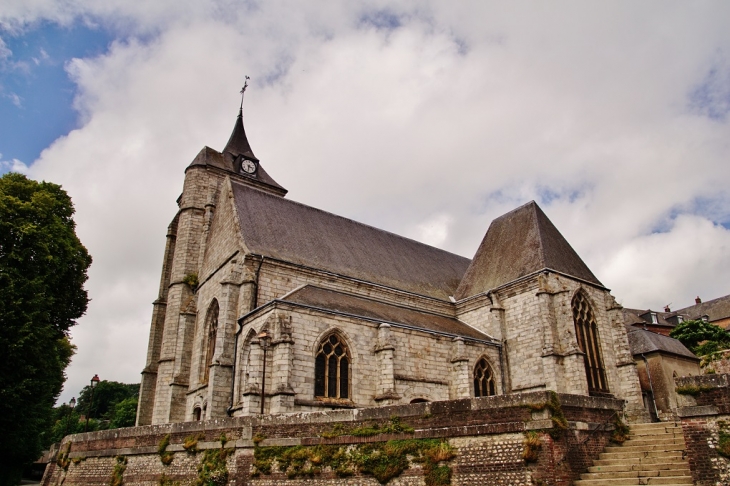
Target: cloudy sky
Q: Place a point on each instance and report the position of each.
(427, 121)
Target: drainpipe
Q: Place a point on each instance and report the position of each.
(651, 387)
(254, 303)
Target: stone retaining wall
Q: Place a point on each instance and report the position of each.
(487, 435)
(705, 417)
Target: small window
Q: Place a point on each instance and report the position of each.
(332, 369)
(706, 318)
(653, 318)
(680, 319)
(484, 379)
(197, 414)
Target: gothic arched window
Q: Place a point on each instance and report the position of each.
(211, 330)
(484, 379)
(586, 331)
(332, 369)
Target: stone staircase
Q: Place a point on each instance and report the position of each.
(654, 454)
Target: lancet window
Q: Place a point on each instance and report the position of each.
(586, 331)
(484, 379)
(211, 328)
(332, 369)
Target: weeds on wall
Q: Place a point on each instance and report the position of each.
(192, 280)
(560, 423)
(620, 432)
(120, 466)
(166, 481)
(165, 456)
(63, 461)
(381, 460)
(531, 446)
(213, 468)
(723, 444)
(190, 444)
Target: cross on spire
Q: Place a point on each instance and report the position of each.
(243, 90)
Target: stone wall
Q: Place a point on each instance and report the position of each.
(705, 420)
(486, 434)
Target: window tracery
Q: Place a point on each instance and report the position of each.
(484, 385)
(586, 332)
(332, 369)
(211, 327)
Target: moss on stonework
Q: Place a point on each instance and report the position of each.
(63, 461)
(190, 444)
(120, 466)
(166, 481)
(381, 460)
(693, 390)
(165, 456)
(620, 432)
(393, 426)
(723, 444)
(531, 446)
(557, 417)
(213, 468)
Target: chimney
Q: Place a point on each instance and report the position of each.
(667, 309)
(698, 300)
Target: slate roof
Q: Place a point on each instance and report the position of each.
(238, 142)
(519, 243)
(213, 158)
(349, 304)
(286, 230)
(633, 316)
(715, 309)
(642, 342)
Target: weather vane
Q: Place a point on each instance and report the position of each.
(243, 90)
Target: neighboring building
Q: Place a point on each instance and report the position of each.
(347, 315)
(716, 311)
(660, 359)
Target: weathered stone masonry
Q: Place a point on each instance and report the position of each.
(487, 434)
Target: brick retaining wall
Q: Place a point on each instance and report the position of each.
(487, 435)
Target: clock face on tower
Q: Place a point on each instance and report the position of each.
(248, 166)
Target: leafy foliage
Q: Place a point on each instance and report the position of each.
(43, 268)
(701, 337)
(107, 394)
(381, 460)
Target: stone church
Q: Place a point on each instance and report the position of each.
(268, 305)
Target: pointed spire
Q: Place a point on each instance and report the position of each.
(238, 143)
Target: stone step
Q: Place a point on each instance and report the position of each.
(635, 461)
(656, 473)
(646, 448)
(672, 480)
(641, 466)
(646, 440)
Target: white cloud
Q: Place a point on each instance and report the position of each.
(13, 165)
(426, 121)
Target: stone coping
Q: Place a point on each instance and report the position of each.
(353, 415)
(721, 380)
(697, 411)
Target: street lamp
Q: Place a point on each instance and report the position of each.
(264, 339)
(71, 404)
(94, 381)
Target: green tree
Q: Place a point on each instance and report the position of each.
(43, 268)
(701, 337)
(107, 395)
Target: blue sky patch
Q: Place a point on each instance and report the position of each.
(36, 94)
(711, 97)
(381, 19)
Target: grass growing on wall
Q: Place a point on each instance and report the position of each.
(165, 456)
(120, 466)
(381, 460)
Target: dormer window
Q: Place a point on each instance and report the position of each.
(680, 319)
(654, 319)
(706, 318)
